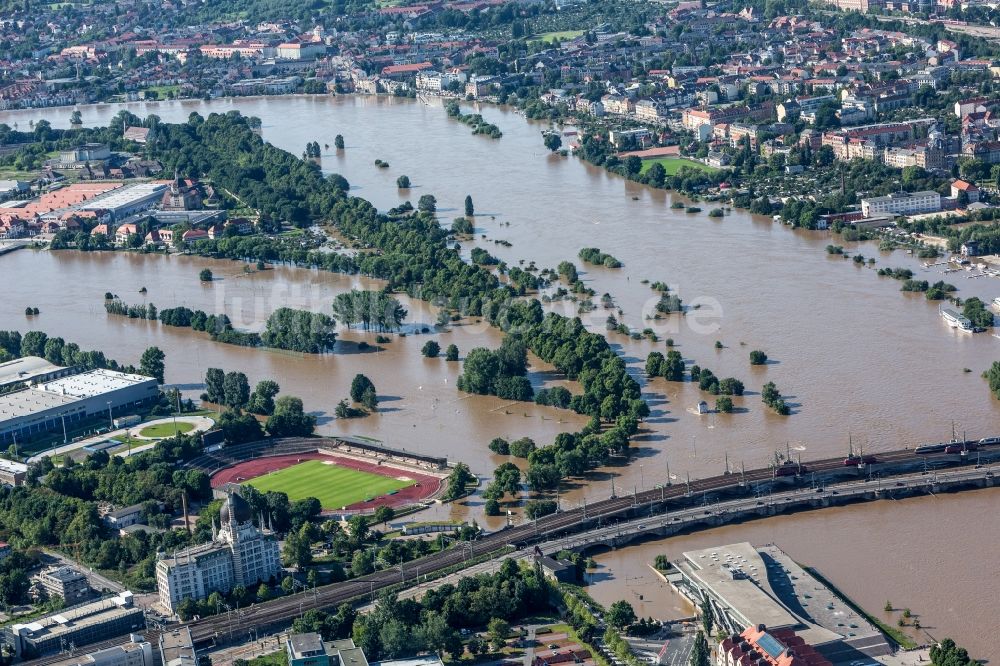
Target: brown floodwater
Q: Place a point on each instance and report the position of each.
(919, 553)
(853, 356)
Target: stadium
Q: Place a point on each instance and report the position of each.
(347, 475)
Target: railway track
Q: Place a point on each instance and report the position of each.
(283, 610)
(232, 626)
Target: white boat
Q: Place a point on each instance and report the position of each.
(996, 302)
(956, 320)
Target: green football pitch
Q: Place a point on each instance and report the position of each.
(332, 485)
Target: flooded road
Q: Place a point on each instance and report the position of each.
(853, 356)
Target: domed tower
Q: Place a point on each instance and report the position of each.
(235, 511)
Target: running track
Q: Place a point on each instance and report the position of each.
(424, 485)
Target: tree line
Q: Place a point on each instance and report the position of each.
(286, 328)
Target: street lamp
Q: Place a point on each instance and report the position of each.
(111, 421)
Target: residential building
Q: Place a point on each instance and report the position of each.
(639, 138)
(65, 582)
(239, 554)
(12, 473)
(345, 653)
(971, 191)
(90, 152)
(79, 625)
(563, 571)
(964, 107)
(122, 518)
(902, 203)
(140, 135)
(300, 51)
(177, 648)
(763, 647)
(306, 650)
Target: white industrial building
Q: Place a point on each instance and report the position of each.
(902, 203)
(49, 405)
(239, 554)
(30, 369)
(124, 201)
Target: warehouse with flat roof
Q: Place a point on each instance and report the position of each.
(126, 201)
(50, 405)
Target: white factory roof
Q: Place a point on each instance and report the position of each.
(31, 401)
(123, 196)
(23, 369)
(66, 392)
(93, 383)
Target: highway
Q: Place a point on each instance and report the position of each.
(673, 501)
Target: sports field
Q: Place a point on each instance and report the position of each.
(560, 35)
(673, 164)
(334, 486)
(166, 429)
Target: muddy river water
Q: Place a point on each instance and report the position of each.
(853, 356)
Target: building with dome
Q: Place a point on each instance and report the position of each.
(239, 553)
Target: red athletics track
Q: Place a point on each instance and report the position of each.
(423, 486)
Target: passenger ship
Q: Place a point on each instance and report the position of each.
(956, 320)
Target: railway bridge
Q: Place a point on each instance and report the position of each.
(705, 515)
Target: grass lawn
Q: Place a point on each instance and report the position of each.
(332, 485)
(166, 429)
(279, 658)
(673, 164)
(162, 92)
(552, 36)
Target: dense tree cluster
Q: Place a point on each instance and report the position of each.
(65, 514)
(224, 148)
(286, 416)
(400, 627)
(707, 381)
(458, 479)
(975, 310)
(476, 121)
(500, 373)
(946, 653)
(286, 328)
(670, 367)
(372, 310)
(771, 397)
(992, 376)
(299, 330)
(593, 255)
